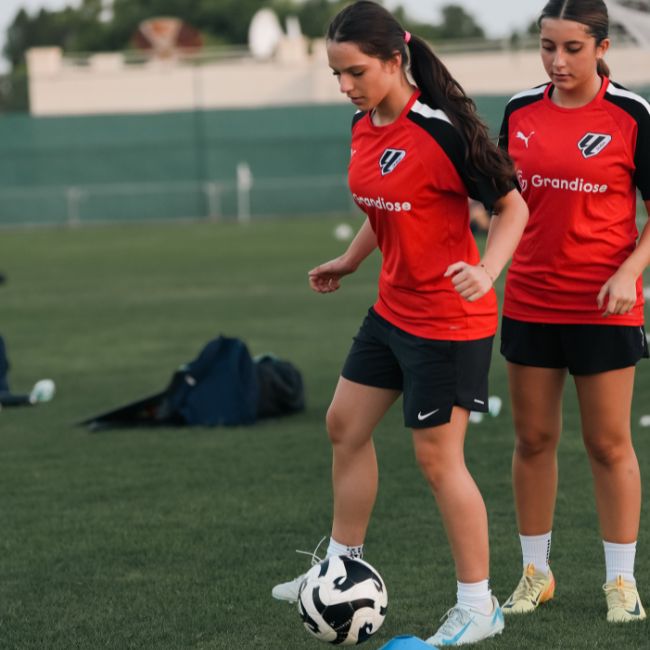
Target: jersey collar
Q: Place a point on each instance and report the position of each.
(400, 117)
(601, 93)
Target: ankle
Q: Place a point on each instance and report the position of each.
(619, 561)
(476, 596)
(336, 548)
(536, 550)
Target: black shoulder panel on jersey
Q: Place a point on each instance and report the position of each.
(444, 134)
(478, 186)
(639, 110)
(526, 98)
(356, 117)
(516, 102)
(630, 102)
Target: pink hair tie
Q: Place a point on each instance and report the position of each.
(407, 37)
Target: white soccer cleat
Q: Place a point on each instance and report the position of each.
(464, 625)
(289, 590)
(623, 602)
(534, 588)
(43, 391)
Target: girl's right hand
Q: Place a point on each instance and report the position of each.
(471, 282)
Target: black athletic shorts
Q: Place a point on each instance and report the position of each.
(433, 375)
(583, 349)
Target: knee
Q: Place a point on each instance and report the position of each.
(608, 450)
(533, 442)
(339, 428)
(434, 467)
(335, 425)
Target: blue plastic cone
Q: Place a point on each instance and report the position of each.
(407, 643)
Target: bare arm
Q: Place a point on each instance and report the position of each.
(618, 294)
(506, 228)
(326, 277)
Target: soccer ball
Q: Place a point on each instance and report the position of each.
(342, 601)
(343, 232)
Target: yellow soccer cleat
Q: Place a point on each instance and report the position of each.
(623, 602)
(534, 588)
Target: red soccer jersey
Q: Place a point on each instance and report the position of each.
(578, 170)
(411, 179)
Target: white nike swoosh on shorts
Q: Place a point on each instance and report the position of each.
(424, 416)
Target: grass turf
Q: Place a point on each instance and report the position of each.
(173, 538)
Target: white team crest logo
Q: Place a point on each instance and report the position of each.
(591, 144)
(390, 159)
(523, 183)
(520, 135)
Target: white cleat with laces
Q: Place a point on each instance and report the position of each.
(623, 602)
(289, 591)
(463, 626)
(534, 588)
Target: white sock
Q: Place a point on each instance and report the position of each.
(336, 548)
(536, 550)
(619, 561)
(475, 595)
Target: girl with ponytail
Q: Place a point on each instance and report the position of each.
(574, 294)
(419, 152)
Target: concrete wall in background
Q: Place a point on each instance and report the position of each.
(106, 84)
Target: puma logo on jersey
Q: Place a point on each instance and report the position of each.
(390, 159)
(525, 138)
(591, 144)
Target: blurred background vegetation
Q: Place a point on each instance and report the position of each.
(89, 28)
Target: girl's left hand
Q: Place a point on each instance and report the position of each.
(471, 282)
(618, 294)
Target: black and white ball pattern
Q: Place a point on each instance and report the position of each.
(343, 601)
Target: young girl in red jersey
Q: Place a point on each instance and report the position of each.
(418, 152)
(574, 299)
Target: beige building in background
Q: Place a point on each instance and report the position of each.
(110, 83)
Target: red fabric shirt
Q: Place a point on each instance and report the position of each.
(578, 170)
(411, 179)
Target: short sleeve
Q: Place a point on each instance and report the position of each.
(482, 187)
(642, 154)
(356, 118)
(478, 185)
(503, 131)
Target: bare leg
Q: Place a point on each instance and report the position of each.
(439, 451)
(605, 405)
(354, 413)
(536, 395)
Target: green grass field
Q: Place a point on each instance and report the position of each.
(173, 538)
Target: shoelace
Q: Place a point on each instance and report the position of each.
(456, 617)
(312, 554)
(527, 584)
(619, 594)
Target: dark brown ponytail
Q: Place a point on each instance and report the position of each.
(436, 83)
(377, 33)
(602, 68)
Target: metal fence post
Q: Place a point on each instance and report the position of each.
(73, 199)
(244, 185)
(213, 194)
